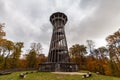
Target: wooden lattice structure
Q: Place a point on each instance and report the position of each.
(58, 57)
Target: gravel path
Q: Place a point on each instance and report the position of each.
(69, 73)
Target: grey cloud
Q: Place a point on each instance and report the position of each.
(87, 4)
(28, 20)
(99, 23)
(1, 7)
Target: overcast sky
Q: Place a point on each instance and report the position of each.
(28, 20)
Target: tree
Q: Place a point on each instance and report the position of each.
(6, 47)
(102, 59)
(34, 53)
(2, 33)
(113, 48)
(31, 59)
(91, 46)
(77, 50)
(77, 53)
(37, 47)
(103, 52)
(40, 59)
(114, 52)
(9, 47)
(16, 54)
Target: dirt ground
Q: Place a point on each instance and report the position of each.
(69, 73)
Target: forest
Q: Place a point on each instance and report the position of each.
(105, 59)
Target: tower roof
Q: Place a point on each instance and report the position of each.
(58, 15)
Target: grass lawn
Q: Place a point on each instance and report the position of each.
(51, 76)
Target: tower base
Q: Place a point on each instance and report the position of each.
(58, 67)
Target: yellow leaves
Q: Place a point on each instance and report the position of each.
(107, 69)
(118, 48)
(77, 50)
(6, 44)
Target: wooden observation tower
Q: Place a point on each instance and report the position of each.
(58, 48)
(58, 57)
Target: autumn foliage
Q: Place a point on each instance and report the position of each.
(11, 56)
(105, 59)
